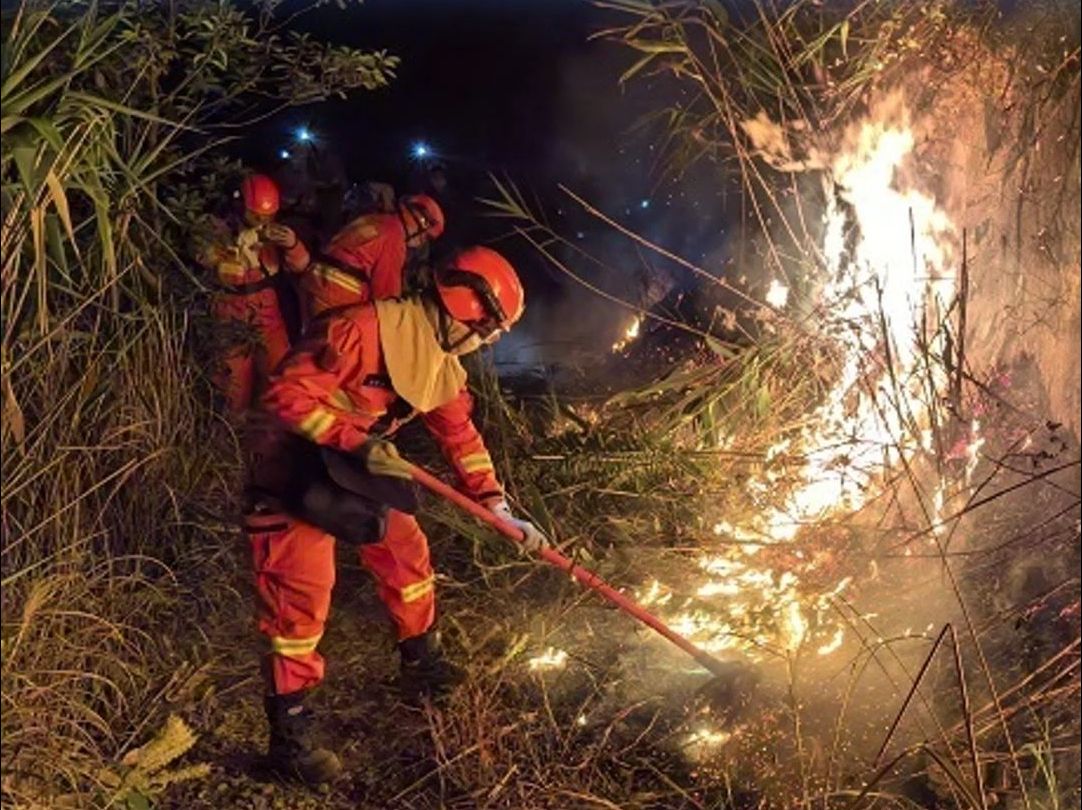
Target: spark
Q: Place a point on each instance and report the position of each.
(709, 737)
(973, 449)
(795, 627)
(551, 658)
(655, 594)
(284, 154)
(832, 645)
(630, 333)
(303, 135)
(704, 742)
(420, 150)
(777, 295)
(938, 527)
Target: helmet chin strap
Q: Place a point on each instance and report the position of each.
(444, 324)
(418, 220)
(443, 329)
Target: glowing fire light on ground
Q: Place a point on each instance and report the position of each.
(886, 252)
(549, 659)
(630, 334)
(777, 295)
(703, 743)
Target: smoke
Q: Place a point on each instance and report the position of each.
(601, 155)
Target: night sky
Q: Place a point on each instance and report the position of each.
(514, 87)
(489, 84)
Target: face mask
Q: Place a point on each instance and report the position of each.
(461, 339)
(256, 220)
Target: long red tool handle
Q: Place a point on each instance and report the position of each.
(553, 557)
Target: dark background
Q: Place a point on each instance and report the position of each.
(516, 88)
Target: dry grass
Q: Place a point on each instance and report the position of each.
(118, 479)
(120, 574)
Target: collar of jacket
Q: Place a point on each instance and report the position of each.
(421, 372)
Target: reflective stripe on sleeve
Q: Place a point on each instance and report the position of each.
(337, 277)
(316, 423)
(476, 462)
(411, 593)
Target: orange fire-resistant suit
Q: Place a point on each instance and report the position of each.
(365, 260)
(333, 389)
(246, 302)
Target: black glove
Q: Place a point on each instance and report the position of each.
(355, 473)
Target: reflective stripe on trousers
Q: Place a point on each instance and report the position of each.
(294, 572)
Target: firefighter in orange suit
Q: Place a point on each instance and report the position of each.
(245, 252)
(339, 395)
(368, 258)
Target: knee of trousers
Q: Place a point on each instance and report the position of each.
(400, 563)
(401, 557)
(293, 563)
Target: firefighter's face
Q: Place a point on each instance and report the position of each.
(417, 225)
(255, 219)
(462, 338)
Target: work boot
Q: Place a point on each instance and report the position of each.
(292, 754)
(425, 672)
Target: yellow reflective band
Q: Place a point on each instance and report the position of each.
(231, 271)
(295, 647)
(340, 399)
(328, 273)
(316, 423)
(476, 462)
(411, 593)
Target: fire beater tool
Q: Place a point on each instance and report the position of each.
(584, 576)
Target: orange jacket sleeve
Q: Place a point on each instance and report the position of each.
(297, 258)
(463, 447)
(302, 391)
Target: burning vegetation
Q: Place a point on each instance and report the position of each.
(844, 461)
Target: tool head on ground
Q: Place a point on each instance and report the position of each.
(477, 287)
(727, 695)
(584, 576)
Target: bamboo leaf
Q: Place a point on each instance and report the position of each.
(45, 128)
(37, 229)
(105, 237)
(55, 245)
(123, 109)
(717, 10)
(20, 74)
(60, 202)
(637, 67)
(24, 164)
(656, 46)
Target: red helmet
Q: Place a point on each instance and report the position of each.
(479, 286)
(427, 212)
(260, 194)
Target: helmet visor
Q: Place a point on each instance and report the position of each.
(495, 317)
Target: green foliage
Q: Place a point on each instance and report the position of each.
(116, 478)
